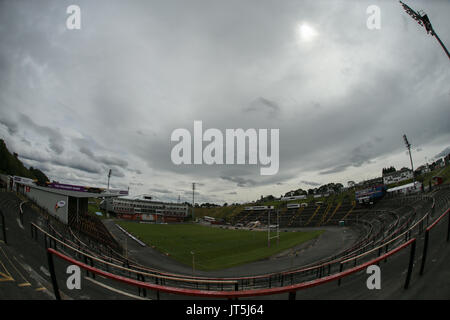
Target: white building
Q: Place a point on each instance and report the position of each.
(143, 208)
(406, 188)
(397, 176)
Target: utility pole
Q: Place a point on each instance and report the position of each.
(423, 20)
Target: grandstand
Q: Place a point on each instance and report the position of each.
(329, 213)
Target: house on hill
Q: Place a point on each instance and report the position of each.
(397, 176)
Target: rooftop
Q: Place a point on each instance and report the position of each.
(70, 193)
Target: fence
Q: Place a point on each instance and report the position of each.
(2, 219)
(427, 238)
(367, 251)
(291, 289)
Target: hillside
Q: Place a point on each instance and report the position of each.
(10, 164)
(227, 213)
(427, 177)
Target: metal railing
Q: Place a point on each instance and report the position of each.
(274, 282)
(2, 220)
(291, 289)
(239, 283)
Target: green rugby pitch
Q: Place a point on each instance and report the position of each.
(214, 248)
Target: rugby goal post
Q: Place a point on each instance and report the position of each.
(269, 227)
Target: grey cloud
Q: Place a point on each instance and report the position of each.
(336, 169)
(10, 126)
(310, 183)
(116, 172)
(87, 152)
(28, 143)
(443, 153)
(107, 160)
(34, 156)
(73, 162)
(240, 182)
(112, 161)
(158, 190)
(339, 102)
(55, 138)
(78, 164)
(136, 171)
(56, 145)
(263, 104)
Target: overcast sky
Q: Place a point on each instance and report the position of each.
(76, 103)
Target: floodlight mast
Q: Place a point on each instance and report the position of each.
(109, 176)
(408, 146)
(193, 203)
(424, 21)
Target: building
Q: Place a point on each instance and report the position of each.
(440, 163)
(397, 176)
(370, 194)
(423, 169)
(447, 159)
(143, 208)
(290, 198)
(369, 183)
(405, 189)
(65, 205)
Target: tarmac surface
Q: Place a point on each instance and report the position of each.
(24, 273)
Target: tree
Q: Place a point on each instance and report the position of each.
(39, 175)
(11, 164)
(388, 170)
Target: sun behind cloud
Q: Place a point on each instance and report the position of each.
(306, 32)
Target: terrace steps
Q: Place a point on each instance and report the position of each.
(334, 212)
(322, 219)
(350, 211)
(315, 212)
(295, 215)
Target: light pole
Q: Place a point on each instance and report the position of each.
(193, 262)
(424, 21)
(109, 176)
(193, 203)
(408, 146)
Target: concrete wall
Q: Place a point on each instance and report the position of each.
(49, 201)
(6, 179)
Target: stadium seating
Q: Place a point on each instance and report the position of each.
(375, 227)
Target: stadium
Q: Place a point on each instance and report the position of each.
(301, 186)
(406, 235)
